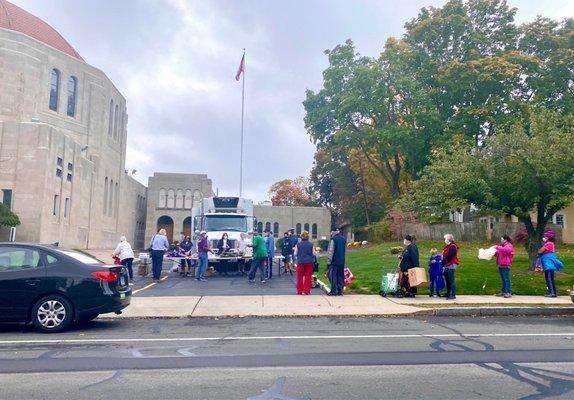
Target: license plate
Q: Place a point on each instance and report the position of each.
(122, 281)
(122, 296)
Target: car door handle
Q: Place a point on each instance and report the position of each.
(33, 282)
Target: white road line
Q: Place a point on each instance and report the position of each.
(148, 286)
(261, 338)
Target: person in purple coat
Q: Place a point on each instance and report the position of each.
(436, 283)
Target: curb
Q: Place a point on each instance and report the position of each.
(501, 311)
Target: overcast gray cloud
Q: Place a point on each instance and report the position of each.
(175, 61)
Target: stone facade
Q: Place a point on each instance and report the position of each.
(171, 197)
(315, 220)
(65, 173)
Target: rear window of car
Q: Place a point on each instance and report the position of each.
(81, 257)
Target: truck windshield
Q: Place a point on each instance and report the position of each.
(225, 223)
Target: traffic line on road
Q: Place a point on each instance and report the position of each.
(148, 286)
(305, 337)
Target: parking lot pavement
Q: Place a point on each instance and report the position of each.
(173, 284)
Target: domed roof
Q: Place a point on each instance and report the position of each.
(16, 19)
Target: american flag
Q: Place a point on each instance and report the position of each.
(241, 68)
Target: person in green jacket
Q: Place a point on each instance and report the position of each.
(259, 257)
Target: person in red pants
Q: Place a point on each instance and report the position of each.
(305, 254)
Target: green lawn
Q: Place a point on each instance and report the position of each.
(474, 276)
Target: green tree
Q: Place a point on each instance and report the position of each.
(7, 217)
(525, 173)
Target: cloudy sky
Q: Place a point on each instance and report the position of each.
(175, 61)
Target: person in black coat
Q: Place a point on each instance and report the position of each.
(223, 246)
(409, 259)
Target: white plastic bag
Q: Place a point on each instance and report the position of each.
(487, 254)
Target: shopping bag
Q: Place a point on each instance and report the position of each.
(487, 254)
(349, 277)
(390, 283)
(418, 277)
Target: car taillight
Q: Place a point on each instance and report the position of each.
(106, 276)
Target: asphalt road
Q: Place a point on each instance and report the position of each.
(310, 358)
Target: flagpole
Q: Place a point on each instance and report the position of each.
(242, 113)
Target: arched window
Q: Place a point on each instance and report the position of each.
(188, 199)
(111, 197)
(72, 83)
(298, 229)
(306, 227)
(260, 227)
(105, 195)
(314, 231)
(276, 229)
(268, 226)
(116, 200)
(116, 119)
(54, 89)
(179, 199)
(111, 120)
(170, 198)
(197, 198)
(162, 198)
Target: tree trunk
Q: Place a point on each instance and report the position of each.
(535, 233)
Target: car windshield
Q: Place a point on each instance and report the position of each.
(81, 257)
(225, 223)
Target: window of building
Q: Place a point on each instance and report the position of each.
(70, 166)
(268, 226)
(260, 227)
(56, 208)
(559, 220)
(66, 207)
(7, 198)
(314, 231)
(105, 195)
(111, 198)
(162, 198)
(188, 199)
(60, 162)
(69, 177)
(306, 227)
(179, 199)
(54, 89)
(117, 199)
(276, 229)
(116, 119)
(298, 229)
(72, 83)
(58, 172)
(111, 118)
(170, 198)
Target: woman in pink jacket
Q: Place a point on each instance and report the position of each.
(504, 257)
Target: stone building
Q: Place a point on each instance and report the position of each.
(62, 141)
(278, 219)
(171, 197)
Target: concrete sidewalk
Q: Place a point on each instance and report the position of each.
(311, 306)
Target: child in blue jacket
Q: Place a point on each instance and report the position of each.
(435, 273)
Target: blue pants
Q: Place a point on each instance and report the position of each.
(505, 276)
(202, 267)
(450, 282)
(270, 267)
(337, 278)
(549, 275)
(157, 263)
(127, 262)
(436, 283)
(257, 264)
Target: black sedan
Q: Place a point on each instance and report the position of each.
(53, 287)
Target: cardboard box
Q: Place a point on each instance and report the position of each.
(418, 277)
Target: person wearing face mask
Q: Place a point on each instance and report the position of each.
(504, 257)
(223, 245)
(409, 259)
(450, 263)
(550, 263)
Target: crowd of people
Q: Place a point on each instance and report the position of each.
(442, 266)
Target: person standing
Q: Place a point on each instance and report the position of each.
(436, 283)
(259, 257)
(504, 257)
(186, 245)
(203, 249)
(305, 253)
(337, 249)
(242, 248)
(126, 254)
(270, 245)
(287, 253)
(159, 245)
(409, 259)
(223, 246)
(450, 263)
(293, 239)
(550, 263)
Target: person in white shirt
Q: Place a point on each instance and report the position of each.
(126, 254)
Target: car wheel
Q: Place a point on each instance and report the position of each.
(52, 314)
